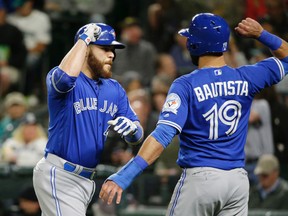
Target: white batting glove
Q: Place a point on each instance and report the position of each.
(123, 126)
(91, 33)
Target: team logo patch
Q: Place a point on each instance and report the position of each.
(113, 33)
(172, 103)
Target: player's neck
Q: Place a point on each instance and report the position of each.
(211, 61)
(87, 73)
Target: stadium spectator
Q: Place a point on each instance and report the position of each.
(115, 147)
(131, 80)
(159, 88)
(165, 64)
(140, 101)
(15, 108)
(165, 167)
(167, 170)
(181, 55)
(273, 21)
(235, 57)
(26, 146)
(12, 54)
(272, 192)
(139, 54)
(279, 116)
(276, 17)
(61, 5)
(120, 155)
(28, 203)
(36, 27)
(163, 20)
(260, 136)
(255, 9)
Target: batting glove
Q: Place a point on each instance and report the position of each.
(123, 126)
(91, 33)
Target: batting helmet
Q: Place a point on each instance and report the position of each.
(106, 38)
(207, 33)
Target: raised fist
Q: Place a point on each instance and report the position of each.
(91, 33)
(249, 28)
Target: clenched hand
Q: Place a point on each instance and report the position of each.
(108, 192)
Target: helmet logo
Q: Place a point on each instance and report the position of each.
(113, 33)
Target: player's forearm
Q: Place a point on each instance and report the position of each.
(148, 153)
(73, 61)
(282, 52)
(150, 150)
(252, 29)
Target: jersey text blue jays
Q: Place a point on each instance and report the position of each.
(91, 104)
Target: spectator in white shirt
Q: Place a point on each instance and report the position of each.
(26, 147)
(36, 27)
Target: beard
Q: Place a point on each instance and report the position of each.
(99, 69)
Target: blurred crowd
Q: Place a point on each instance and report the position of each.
(35, 35)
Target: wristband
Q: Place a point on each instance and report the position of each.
(272, 41)
(85, 38)
(125, 176)
(136, 137)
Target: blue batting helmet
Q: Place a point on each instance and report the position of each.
(106, 38)
(207, 33)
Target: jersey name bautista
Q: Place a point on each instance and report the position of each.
(91, 104)
(218, 89)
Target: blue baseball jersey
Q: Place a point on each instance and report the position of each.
(79, 109)
(210, 108)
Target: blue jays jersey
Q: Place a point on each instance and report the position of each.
(79, 109)
(210, 108)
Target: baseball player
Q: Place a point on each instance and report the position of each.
(209, 109)
(84, 103)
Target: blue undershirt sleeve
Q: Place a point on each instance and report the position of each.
(124, 177)
(164, 134)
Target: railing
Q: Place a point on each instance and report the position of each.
(13, 178)
(160, 211)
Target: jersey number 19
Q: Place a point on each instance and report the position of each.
(229, 114)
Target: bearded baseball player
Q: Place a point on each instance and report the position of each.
(84, 102)
(209, 109)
